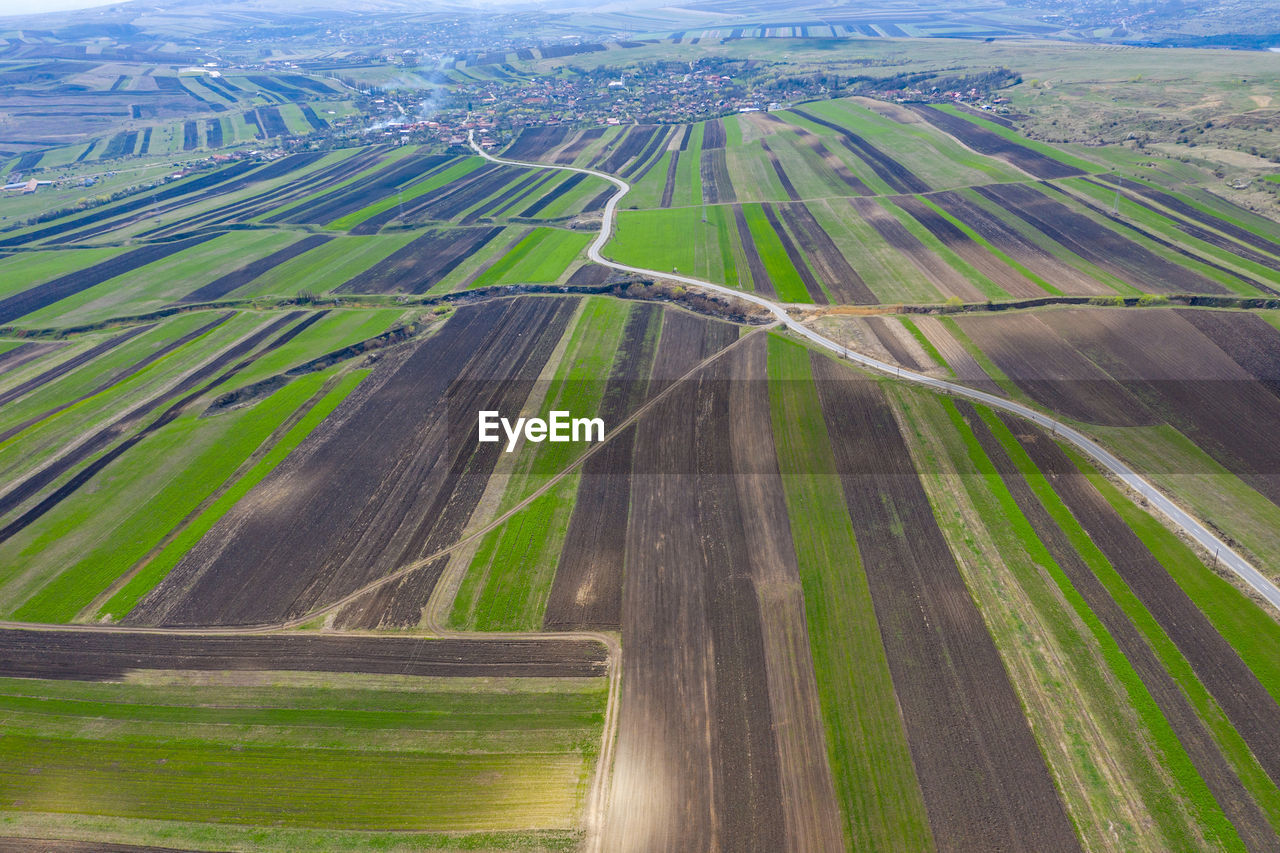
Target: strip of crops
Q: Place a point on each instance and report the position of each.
(409, 492)
(879, 796)
(587, 589)
(944, 664)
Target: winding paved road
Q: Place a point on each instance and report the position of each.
(1194, 528)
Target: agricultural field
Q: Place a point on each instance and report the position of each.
(868, 202)
(265, 583)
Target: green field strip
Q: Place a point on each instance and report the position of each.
(456, 171)
(982, 241)
(62, 156)
(70, 555)
(647, 192)
(1232, 745)
(753, 177)
(471, 716)
(334, 331)
(689, 172)
(1053, 247)
(509, 578)
(133, 774)
(542, 256)
(1115, 695)
(1013, 136)
(662, 239)
(786, 281)
(573, 201)
(24, 270)
(808, 173)
(477, 262)
(926, 344)
(985, 286)
(881, 804)
(191, 835)
(296, 122)
(817, 276)
(161, 282)
(889, 275)
(732, 131)
(1214, 205)
(154, 571)
(852, 161)
(326, 267)
(1247, 627)
(88, 377)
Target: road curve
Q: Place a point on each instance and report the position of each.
(1182, 519)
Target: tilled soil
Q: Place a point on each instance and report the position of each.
(1005, 277)
(107, 655)
(833, 268)
(419, 265)
(1062, 276)
(795, 256)
(391, 477)
(1054, 372)
(1098, 244)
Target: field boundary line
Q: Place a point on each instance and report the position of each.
(1200, 533)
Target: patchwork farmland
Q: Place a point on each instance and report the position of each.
(246, 525)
